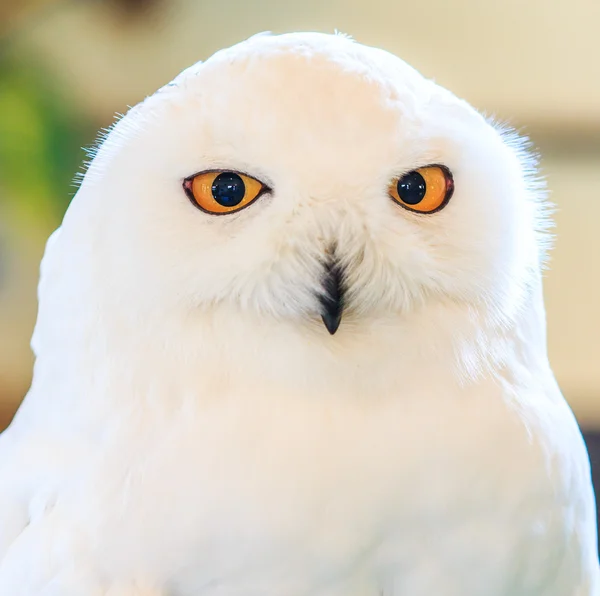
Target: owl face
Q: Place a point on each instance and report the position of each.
(311, 179)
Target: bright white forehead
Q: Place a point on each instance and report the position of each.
(292, 60)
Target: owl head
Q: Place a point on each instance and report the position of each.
(305, 180)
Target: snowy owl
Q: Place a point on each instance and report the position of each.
(291, 342)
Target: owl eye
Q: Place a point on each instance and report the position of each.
(220, 192)
(425, 190)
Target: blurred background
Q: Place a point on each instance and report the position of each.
(67, 66)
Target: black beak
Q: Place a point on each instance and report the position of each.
(332, 298)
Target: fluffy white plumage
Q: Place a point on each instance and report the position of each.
(192, 428)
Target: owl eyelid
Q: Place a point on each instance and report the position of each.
(443, 167)
(222, 170)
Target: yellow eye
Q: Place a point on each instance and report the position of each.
(220, 192)
(425, 190)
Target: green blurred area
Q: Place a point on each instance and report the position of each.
(41, 135)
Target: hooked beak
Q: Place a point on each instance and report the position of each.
(332, 296)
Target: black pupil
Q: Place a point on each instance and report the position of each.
(228, 189)
(412, 188)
